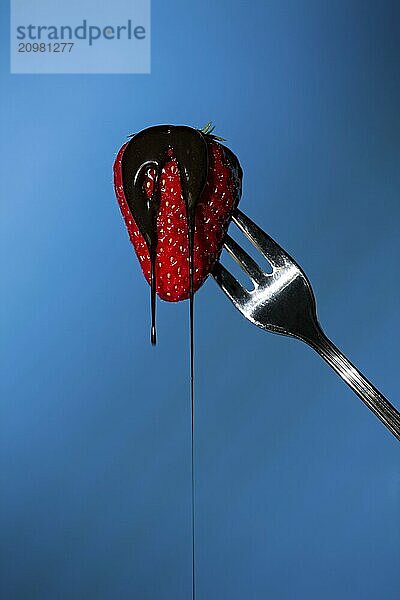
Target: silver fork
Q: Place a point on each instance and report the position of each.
(283, 302)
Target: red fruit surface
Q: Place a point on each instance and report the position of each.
(214, 210)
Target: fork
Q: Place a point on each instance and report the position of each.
(283, 302)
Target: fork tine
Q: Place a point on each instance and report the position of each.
(232, 288)
(244, 260)
(272, 251)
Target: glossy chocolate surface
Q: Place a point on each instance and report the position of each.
(152, 148)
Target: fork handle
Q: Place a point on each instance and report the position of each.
(368, 393)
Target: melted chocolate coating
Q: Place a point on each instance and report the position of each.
(149, 149)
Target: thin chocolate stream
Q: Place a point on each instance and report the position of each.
(150, 149)
(191, 320)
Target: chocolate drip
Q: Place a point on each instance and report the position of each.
(150, 149)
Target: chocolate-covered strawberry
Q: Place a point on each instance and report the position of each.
(177, 188)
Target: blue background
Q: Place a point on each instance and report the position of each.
(298, 484)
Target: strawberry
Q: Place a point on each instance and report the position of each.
(168, 163)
